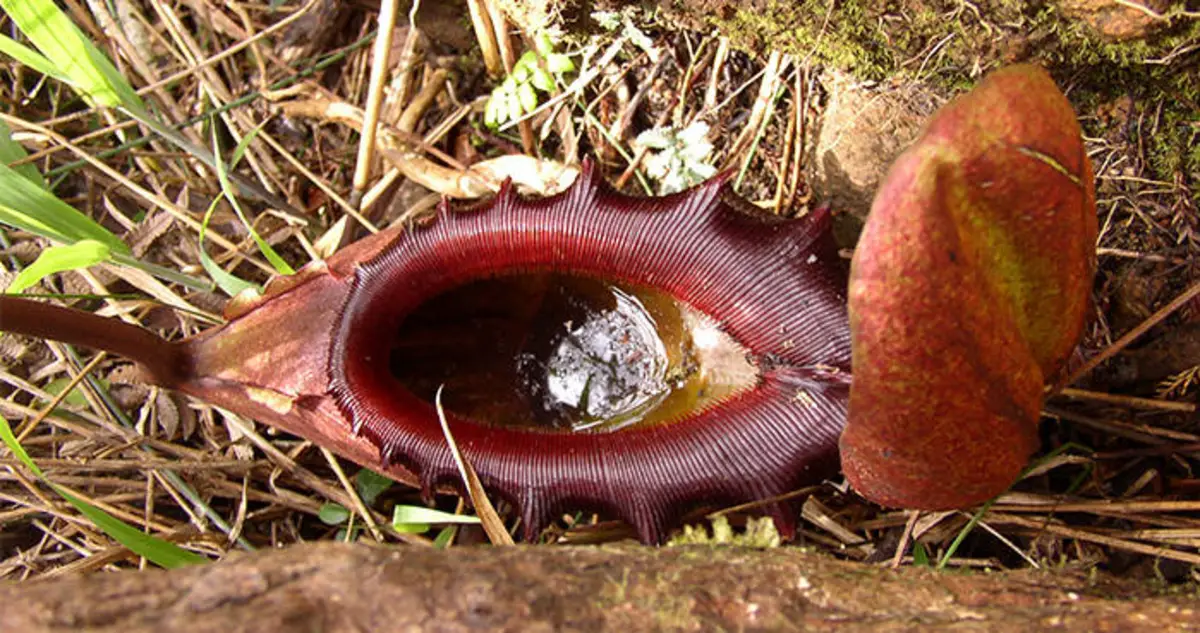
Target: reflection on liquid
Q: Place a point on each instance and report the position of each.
(566, 352)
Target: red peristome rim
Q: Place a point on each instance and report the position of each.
(777, 286)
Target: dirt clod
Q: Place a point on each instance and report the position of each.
(1117, 21)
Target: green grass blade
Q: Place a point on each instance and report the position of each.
(18, 451)
(165, 554)
(275, 260)
(26, 204)
(11, 152)
(920, 555)
(445, 536)
(962, 534)
(416, 519)
(72, 54)
(162, 553)
(69, 56)
(56, 259)
(231, 284)
(31, 58)
(28, 207)
(30, 224)
(979, 514)
(162, 272)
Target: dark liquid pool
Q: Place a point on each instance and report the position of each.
(568, 353)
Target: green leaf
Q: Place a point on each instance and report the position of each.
(370, 485)
(333, 514)
(608, 20)
(27, 206)
(542, 80)
(920, 555)
(513, 104)
(162, 553)
(75, 398)
(528, 60)
(72, 54)
(543, 43)
(521, 69)
(445, 535)
(527, 97)
(56, 259)
(493, 112)
(416, 519)
(558, 63)
(11, 152)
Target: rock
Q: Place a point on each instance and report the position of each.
(1117, 21)
(862, 130)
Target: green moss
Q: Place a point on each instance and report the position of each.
(877, 39)
(947, 45)
(846, 36)
(759, 533)
(1164, 124)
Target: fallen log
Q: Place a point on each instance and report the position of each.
(341, 588)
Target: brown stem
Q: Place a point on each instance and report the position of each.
(165, 361)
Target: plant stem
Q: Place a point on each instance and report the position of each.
(164, 360)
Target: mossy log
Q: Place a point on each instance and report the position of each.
(341, 588)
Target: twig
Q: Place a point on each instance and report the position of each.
(1164, 449)
(1012, 546)
(782, 172)
(486, 36)
(766, 96)
(27, 427)
(1114, 428)
(620, 127)
(379, 70)
(1120, 252)
(352, 494)
(714, 79)
(699, 60)
(905, 536)
(1116, 543)
(509, 57)
(1129, 337)
(1128, 401)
